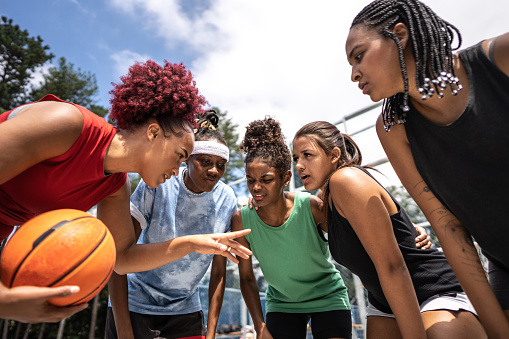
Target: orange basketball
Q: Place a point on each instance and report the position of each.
(59, 248)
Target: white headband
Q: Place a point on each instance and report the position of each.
(211, 147)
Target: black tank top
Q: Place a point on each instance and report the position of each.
(466, 163)
(429, 270)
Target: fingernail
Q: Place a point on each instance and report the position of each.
(75, 289)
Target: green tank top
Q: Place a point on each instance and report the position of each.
(294, 260)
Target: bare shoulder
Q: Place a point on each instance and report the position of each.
(53, 111)
(348, 179)
(317, 209)
(48, 129)
(316, 202)
(501, 52)
(316, 206)
(55, 123)
(351, 185)
(237, 222)
(290, 195)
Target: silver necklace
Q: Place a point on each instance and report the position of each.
(187, 189)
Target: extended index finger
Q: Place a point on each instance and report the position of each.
(236, 234)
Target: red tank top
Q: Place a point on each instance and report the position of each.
(74, 179)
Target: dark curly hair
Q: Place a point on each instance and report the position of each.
(265, 141)
(431, 44)
(166, 93)
(207, 128)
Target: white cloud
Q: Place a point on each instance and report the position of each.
(83, 9)
(37, 76)
(125, 59)
(168, 20)
(286, 58)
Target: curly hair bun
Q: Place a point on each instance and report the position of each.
(265, 141)
(263, 134)
(149, 90)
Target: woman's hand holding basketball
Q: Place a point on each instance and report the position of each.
(29, 304)
(221, 244)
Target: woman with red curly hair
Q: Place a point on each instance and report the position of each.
(56, 154)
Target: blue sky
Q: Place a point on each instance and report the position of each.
(252, 58)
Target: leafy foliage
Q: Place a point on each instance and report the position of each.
(20, 55)
(413, 210)
(67, 83)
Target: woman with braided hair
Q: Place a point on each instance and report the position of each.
(443, 128)
(56, 154)
(164, 302)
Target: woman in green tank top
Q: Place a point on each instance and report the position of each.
(287, 239)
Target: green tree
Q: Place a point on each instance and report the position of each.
(412, 209)
(68, 84)
(20, 55)
(99, 110)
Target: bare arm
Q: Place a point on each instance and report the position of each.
(500, 52)
(455, 239)
(249, 286)
(318, 213)
(421, 241)
(39, 132)
(216, 293)
(118, 290)
(114, 212)
(359, 199)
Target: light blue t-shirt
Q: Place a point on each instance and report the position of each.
(171, 211)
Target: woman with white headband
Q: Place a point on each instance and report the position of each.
(165, 301)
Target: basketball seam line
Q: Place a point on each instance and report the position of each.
(37, 244)
(81, 262)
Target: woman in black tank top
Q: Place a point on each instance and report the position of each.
(371, 234)
(447, 135)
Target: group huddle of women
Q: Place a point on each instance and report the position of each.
(442, 127)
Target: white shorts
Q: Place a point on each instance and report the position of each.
(450, 302)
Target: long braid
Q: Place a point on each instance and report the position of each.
(431, 44)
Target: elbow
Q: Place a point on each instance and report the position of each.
(392, 267)
(121, 266)
(120, 270)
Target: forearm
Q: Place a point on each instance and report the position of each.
(117, 287)
(463, 257)
(216, 293)
(400, 293)
(251, 295)
(145, 257)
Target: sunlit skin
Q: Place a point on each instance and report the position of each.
(375, 63)
(265, 183)
(375, 67)
(204, 171)
(165, 157)
(313, 165)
